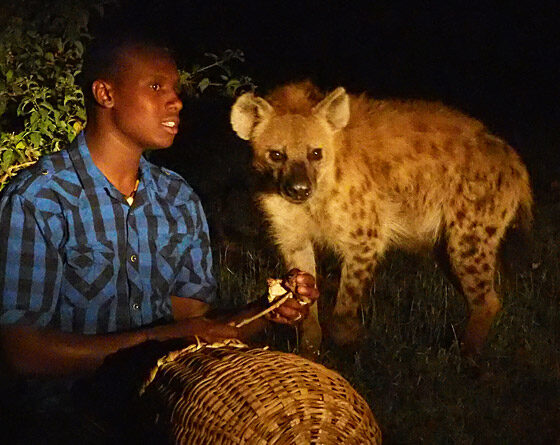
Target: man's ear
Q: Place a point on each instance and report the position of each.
(102, 93)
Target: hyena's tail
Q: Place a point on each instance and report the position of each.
(523, 220)
(517, 248)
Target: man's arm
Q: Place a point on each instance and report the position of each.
(291, 312)
(39, 351)
(29, 350)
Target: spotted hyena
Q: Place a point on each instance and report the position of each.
(361, 175)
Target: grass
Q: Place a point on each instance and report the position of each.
(408, 365)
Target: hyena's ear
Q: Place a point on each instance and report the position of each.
(247, 111)
(335, 108)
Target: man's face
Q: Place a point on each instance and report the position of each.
(146, 105)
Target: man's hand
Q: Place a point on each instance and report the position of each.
(292, 311)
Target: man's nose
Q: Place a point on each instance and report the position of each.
(175, 102)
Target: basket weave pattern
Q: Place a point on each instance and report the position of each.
(240, 395)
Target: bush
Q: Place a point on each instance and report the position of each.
(41, 108)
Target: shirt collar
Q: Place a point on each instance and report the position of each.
(145, 171)
(87, 171)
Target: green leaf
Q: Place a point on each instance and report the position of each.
(59, 45)
(8, 158)
(81, 113)
(48, 106)
(232, 86)
(203, 84)
(79, 47)
(34, 118)
(9, 76)
(39, 49)
(35, 139)
(17, 90)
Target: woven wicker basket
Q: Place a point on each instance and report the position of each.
(233, 394)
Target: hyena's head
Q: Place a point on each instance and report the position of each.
(293, 136)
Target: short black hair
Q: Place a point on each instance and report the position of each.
(101, 58)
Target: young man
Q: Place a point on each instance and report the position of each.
(101, 250)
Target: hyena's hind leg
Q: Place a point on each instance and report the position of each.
(473, 260)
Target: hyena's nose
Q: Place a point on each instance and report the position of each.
(297, 185)
(298, 191)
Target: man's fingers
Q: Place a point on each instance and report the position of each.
(305, 279)
(291, 309)
(308, 294)
(278, 318)
(288, 312)
(291, 312)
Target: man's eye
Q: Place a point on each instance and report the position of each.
(155, 86)
(276, 156)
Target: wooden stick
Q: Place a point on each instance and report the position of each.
(276, 305)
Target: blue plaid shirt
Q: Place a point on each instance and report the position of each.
(75, 256)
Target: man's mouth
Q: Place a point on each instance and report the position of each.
(172, 126)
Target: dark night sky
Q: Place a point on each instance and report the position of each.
(498, 61)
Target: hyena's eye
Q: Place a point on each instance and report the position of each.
(276, 156)
(315, 154)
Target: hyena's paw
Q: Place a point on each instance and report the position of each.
(478, 327)
(347, 331)
(310, 351)
(310, 344)
(472, 345)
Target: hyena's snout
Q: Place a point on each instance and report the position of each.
(296, 183)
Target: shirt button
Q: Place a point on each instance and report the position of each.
(133, 258)
(136, 306)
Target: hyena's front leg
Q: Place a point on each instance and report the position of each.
(356, 276)
(299, 253)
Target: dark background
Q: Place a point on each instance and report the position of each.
(497, 61)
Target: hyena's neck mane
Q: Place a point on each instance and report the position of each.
(295, 98)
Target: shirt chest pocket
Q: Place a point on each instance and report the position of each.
(91, 268)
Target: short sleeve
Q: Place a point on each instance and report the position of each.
(30, 265)
(195, 279)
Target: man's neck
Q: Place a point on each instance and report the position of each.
(117, 161)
